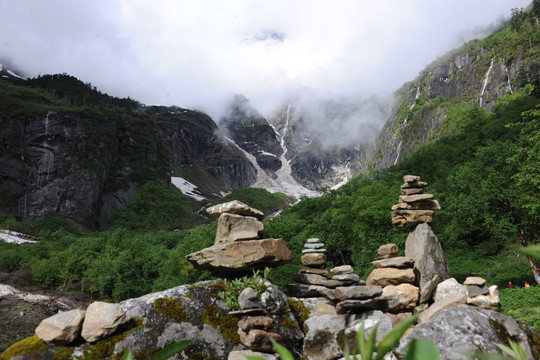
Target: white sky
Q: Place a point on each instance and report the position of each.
(194, 53)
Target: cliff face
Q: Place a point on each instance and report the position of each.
(429, 107)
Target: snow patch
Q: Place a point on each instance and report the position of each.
(187, 188)
(15, 237)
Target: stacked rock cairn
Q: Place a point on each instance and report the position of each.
(414, 206)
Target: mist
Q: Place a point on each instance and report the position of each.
(196, 54)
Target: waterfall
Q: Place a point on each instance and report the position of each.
(46, 161)
(507, 75)
(285, 128)
(486, 79)
(398, 152)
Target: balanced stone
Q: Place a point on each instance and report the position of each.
(475, 280)
(234, 207)
(313, 240)
(305, 251)
(474, 290)
(412, 191)
(357, 292)
(313, 259)
(322, 272)
(397, 262)
(414, 184)
(62, 328)
(341, 270)
(347, 278)
(390, 276)
(311, 279)
(232, 227)
(101, 320)
(411, 178)
(388, 249)
(356, 306)
(314, 245)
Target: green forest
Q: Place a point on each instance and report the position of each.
(485, 172)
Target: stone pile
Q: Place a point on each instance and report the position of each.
(313, 280)
(98, 321)
(238, 247)
(414, 206)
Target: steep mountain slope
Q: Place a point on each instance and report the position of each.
(476, 74)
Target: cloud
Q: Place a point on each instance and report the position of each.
(195, 53)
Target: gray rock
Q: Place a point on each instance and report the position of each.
(314, 245)
(347, 279)
(305, 290)
(249, 304)
(388, 249)
(234, 207)
(312, 279)
(397, 262)
(474, 280)
(429, 287)
(358, 306)
(466, 329)
(232, 227)
(372, 319)
(308, 251)
(313, 240)
(341, 270)
(357, 292)
(474, 290)
(321, 341)
(424, 248)
(248, 294)
(62, 328)
(241, 355)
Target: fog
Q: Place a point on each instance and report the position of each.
(196, 54)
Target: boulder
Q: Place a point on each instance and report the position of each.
(342, 270)
(313, 259)
(321, 340)
(357, 292)
(234, 207)
(465, 329)
(447, 288)
(438, 306)
(233, 227)
(388, 249)
(390, 276)
(400, 298)
(240, 256)
(424, 248)
(396, 262)
(62, 328)
(101, 320)
(311, 279)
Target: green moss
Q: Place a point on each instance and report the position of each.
(300, 311)
(227, 325)
(63, 352)
(171, 309)
(214, 289)
(188, 296)
(288, 323)
(148, 354)
(32, 345)
(104, 348)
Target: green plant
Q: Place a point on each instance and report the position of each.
(166, 353)
(234, 287)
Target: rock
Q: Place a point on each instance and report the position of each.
(412, 191)
(62, 328)
(429, 287)
(247, 323)
(474, 280)
(490, 302)
(438, 306)
(241, 355)
(239, 256)
(313, 241)
(372, 319)
(357, 292)
(234, 207)
(474, 290)
(419, 205)
(307, 251)
(388, 249)
(414, 198)
(390, 276)
(248, 294)
(313, 259)
(414, 184)
(347, 279)
(305, 290)
(410, 218)
(233, 227)
(397, 262)
(448, 287)
(323, 308)
(411, 178)
(321, 340)
(424, 248)
(101, 320)
(358, 306)
(314, 245)
(341, 270)
(493, 290)
(258, 339)
(465, 329)
(311, 279)
(249, 304)
(400, 298)
(321, 272)
(399, 317)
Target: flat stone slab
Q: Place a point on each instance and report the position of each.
(474, 290)
(311, 279)
(390, 276)
(474, 280)
(343, 269)
(308, 251)
(313, 241)
(306, 291)
(314, 245)
(357, 292)
(241, 256)
(234, 207)
(397, 262)
(322, 272)
(356, 306)
(232, 227)
(347, 278)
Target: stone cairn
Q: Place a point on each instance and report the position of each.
(414, 206)
(238, 247)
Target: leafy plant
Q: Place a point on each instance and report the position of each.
(234, 287)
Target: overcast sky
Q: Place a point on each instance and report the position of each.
(197, 53)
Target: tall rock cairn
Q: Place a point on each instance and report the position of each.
(414, 206)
